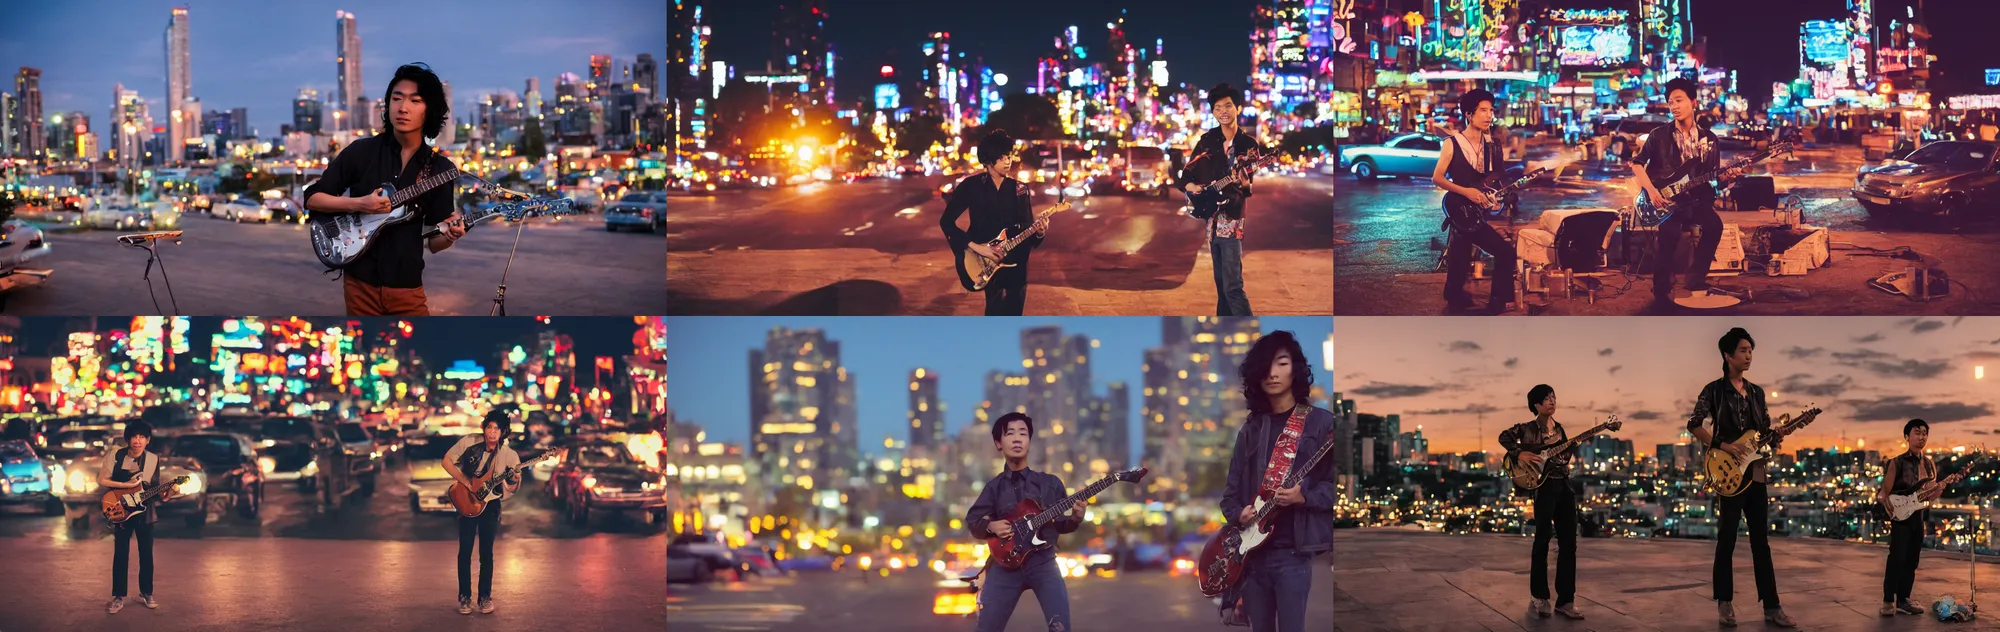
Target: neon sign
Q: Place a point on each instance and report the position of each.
(1604, 17)
(1594, 46)
(1823, 43)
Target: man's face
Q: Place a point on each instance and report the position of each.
(1280, 379)
(1225, 110)
(1482, 116)
(1740, 359)
(492, 433)
(139, 442)
(406, 107)
(1682, 106)
(1006, 163)
(1918, 437)
(1548, 405)
(1013, 441)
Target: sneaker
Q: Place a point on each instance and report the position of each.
(1905, 607)
(1569, 610)
(1888, 608)
(117, 604)
(465, 605)
(1776, 616)
(148, 600)
(1539, 607)
(1725, 613)
(486, 605)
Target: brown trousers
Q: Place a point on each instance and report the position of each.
(371, 300)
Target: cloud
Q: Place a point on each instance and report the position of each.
(1925, 326)
(1511, 362)
(1982, 355)
(1801, 353)
(1904, 407)
(1646, 415)
(1874, 337)
(1803, 384)
(1604, 352)
(1463, 346)
(1889, 365)
(1614, 369)
(1469, 409)
(1393, 391)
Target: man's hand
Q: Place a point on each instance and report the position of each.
(1243, 517)
(1192, 188)
(453, 227)
(1653, 195)
(1076, 511)
(1737, 451)
(982, 249)
(1477, 197)
(1289, 496)
(1000, 528)
(373, 203)
(1043, 228)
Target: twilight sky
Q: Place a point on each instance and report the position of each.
(710, 367)
(1870, 374)
(258, 54)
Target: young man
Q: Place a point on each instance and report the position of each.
(1905, 475)
(1012, 434)
(1214, 155)
(1462, 166)
(472, 457)
(1736, 405)
(1555, 503)
(1665, 149)
(388, 279)
(1281, 433)
(133, 468)
(1000, 209)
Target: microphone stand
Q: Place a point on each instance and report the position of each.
(153, 255)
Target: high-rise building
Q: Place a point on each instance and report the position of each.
(687, 62)
(533, 96)
(799, 47)
(347, 71)
(28, 113)
(646, 74)
(7, 137)
(601, 81)
(180, 79)
(1117, 420)
(1058, 394)
(226, 125)
(1200, 357)
(802, 432)
(1161, 447)
(306, 112)
(926, 410)
(129, 126)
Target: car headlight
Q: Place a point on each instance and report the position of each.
(267, 464)
(81, 481)
(311, 469)
(192, 486)
(56, 480)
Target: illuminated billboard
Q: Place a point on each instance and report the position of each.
(1823, 43)
(887, 97)
(1594, 46)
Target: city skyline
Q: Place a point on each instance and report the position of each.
(1869, 374)
(259, 55)
(714, 362)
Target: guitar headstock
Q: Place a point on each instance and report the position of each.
(1613, 424)
(1783, 147)
(1130, 476)
(537, 207)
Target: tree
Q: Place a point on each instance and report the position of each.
(1025, 116)
(531, 139)
(919, 132)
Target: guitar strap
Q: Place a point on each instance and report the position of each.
(1283, 453)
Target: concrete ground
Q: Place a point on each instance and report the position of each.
(1405, 580)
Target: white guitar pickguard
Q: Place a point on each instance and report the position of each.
(1253, 536)
(355, 229)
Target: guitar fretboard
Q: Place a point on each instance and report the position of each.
(1063, 506)
(423, 186)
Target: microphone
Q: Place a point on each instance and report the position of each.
(139, 238)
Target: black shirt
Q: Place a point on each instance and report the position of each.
(1664, 153)
(1209, 163)
(993, 208)
(1528, 436)
(397, 257)
(1006, 490)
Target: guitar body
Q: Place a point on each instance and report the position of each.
(976, 272)
(1221, 563)
(1728, 475)
(1207, 203)
(1526, 475)
(1901, 507)
(472, 502)
(340, 238)
(1011, 553)
(121, 504)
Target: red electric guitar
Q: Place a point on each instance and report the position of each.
(1221, 564)
(1028, 517)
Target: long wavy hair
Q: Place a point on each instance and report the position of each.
(1257, 366)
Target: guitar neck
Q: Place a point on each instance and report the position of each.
(1572, 441)
(423, 186)
(1062, 506)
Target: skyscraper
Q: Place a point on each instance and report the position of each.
(533, 96)
(802, 432)
(601, 80)
(306, 111)
(28, 113)
(799, 47)
(926, 411)
(347, 63)
(646, 74)
(7, 137)
(1117, 445)
(180, 80)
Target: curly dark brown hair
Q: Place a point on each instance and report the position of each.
(1257, 366)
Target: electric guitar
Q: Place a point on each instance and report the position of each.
(1028, 517)
(121, 504)
(1902, 506)
(1221, 563)
(340, 238)
(975, 271)
(1529, 474)
(1728, 475)
(1685, 185)
(1210, 197)
(471, 501)
(1463, 214)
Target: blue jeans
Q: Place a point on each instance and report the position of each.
(1275, 588)
(1227, 253)
(1003, 590)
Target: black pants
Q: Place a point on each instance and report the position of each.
(1751, 505)
(1458, 264)
(1906, 546)
(1007, 295)
(1701, 215)
(1555, 516)
(487, 527)
(122, 559)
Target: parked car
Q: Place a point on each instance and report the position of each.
(1404, 156)
(428, 481)
(638, 210)
(82, 496)
(715, 558)
(1952, 183)
(28, 479)
(363, 460)
(1146, 171)
(169, 419)
(284, 451)
(228, 465)
(602, 475)
(244, 211)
